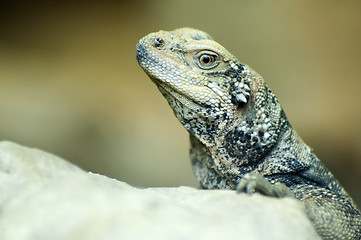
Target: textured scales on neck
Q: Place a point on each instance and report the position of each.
(238, 129)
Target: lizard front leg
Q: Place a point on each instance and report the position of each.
(254, 182)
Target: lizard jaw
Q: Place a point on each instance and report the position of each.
(195, 92)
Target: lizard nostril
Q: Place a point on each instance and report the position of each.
(158, 41)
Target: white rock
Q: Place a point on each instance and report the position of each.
(45, 197)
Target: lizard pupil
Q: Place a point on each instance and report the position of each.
(207, 59)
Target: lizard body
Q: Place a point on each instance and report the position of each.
(240, 136)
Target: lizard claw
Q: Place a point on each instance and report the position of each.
(254, 182)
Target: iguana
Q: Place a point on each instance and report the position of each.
(240, 136)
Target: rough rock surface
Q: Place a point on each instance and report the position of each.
(45, 197)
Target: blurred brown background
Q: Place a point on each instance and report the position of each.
(70, 83)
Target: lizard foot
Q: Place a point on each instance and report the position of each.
(254, 182)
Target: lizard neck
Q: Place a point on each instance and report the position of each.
(236, 153)
(221, 167)
(246, 140)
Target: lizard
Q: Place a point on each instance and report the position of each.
(240, 136)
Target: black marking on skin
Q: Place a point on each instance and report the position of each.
(182, 57)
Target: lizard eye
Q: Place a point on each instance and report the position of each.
(207, 60)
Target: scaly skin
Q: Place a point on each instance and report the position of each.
(240, 137)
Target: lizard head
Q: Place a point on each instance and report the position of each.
(209, 90)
